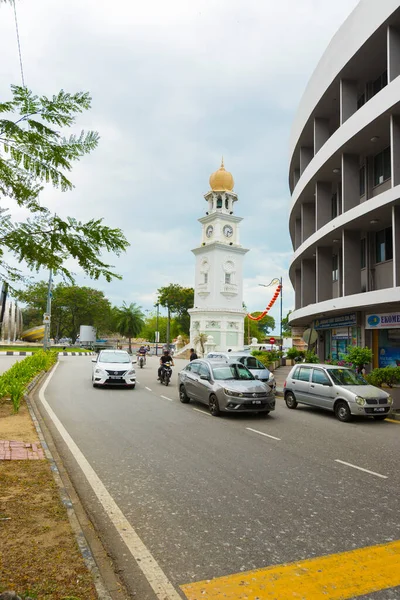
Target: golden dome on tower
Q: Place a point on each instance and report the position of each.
(221, 180)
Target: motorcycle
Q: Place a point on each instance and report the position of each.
(166, 373)
(142, 360)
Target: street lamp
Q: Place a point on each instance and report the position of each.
(274, 282)
(157, 332)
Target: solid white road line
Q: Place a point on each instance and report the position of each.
(342, 462)
(166, 398)
(265, 434)
(156, 577)
(147, 388)
(203, 412)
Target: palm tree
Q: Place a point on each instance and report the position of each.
(200, 340)
(129, 321)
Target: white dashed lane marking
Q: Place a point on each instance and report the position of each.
(202, 412)
(264, 434)
(342, 462)
(147, 388)
(166, 398)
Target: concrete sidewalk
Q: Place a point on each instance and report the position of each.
(280, 375)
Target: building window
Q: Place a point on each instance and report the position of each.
(334, 205)
(379, 83)
(362, 181)
(227, 277)
(363, 253)
(361, 101)
(219, 202)
(205, 277)
(382, 167)
(335, 267)
(383, 245)
(226, 203)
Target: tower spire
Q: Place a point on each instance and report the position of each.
(222, 163)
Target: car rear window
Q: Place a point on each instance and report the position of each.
(302, 374)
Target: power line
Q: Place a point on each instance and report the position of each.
(19, 45)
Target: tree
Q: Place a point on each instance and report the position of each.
(150, 327)
(286, 328)
(130, 321)
(72, 306)
(33, 151)
(200, 340)
(178, 300)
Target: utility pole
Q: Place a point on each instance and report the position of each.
(281, 343)
(168, 326)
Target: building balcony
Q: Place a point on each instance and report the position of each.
(203, 290)
(229, 289)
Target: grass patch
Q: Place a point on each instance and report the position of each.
(38, 348)
(39, 555)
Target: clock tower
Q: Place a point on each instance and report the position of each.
(218, 296)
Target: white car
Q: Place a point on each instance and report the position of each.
(113, 367)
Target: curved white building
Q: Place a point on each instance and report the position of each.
(344, 178)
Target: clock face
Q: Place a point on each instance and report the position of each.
(228, 231)
(209, 231)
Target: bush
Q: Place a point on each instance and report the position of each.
(14, 382)
(311, 357)
(388, 376)
(267, 356)
(292, 353)
(358, 357)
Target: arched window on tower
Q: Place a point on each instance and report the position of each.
(219, 202)
(226, 203)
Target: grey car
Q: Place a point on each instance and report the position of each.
(255, 366)
(224, 387)
(338, 389)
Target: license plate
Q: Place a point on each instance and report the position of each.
(256, 401)
(115, 377)
(379, 409)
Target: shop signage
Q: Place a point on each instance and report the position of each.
(383, 321)
(341, 334)
(335, 322)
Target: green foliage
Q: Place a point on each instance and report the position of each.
(72, 306)
(286, 328)
(358, 356)
(129, 321)
(33, 152)
(13, 383)
(387, 376)
(149, 329)
(267, 356)
(258, 329)
(311, 357)
(178, 299)
(293, 353)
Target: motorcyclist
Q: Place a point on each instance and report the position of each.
(142, 352)
(165, 358)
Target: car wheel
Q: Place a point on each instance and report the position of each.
(132, 386)
(183, 397)
(290, 400)
(342, 411)
(380, 417)
(264, 412)
(214, 406)
(94, 384)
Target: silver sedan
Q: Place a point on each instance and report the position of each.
(224, 387)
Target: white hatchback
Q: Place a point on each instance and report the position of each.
(113, 367)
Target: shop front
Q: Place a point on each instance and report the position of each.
(336, 334)
(385, 338)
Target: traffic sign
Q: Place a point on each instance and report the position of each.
(46, 318)
(272, 340)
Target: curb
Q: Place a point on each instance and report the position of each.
(83, 545)
(11, 353)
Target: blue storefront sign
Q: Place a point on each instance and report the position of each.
(389, 357)
(336, 322)
(383, 321)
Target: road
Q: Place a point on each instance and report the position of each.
(211, 497)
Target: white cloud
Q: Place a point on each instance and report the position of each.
(175, 85)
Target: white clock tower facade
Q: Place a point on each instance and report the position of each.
(218, 296)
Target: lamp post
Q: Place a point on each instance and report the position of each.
(47, 315)
(274, 282)
(157, 332)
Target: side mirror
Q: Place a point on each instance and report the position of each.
(134, 361)
(205, 377)
(256, 376)
(94, 360)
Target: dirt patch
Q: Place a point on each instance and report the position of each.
(18, 427)
(39, 555)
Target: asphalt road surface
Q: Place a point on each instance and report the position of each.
(214, 497)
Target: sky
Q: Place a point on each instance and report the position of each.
(175, 86)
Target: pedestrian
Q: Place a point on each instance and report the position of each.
(193, 354)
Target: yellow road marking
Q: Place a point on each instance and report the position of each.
(334, 577)
(393, 421)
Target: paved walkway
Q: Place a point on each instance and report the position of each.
(280, 375)
(13, 450)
